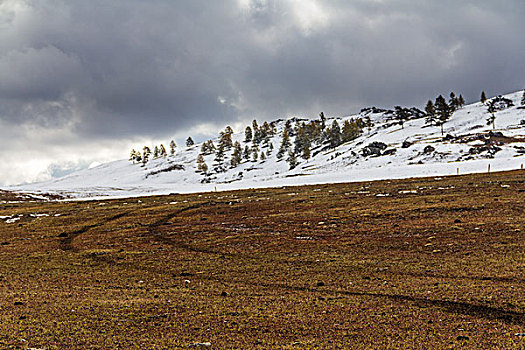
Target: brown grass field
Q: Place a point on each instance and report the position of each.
(430, 263)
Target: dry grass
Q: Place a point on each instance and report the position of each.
(434, 264)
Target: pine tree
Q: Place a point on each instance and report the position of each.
(285, 144)
(306, 152)
(247, 153)
(523, 99)
(248, 135)
(236, 155)
(162, 151)
(430, 110)
(483, 97)
(334, 135)
(292, 160)
(226, 140)
(133, 156)
(401, 115)
(368, 123)
(461, 101)
(454, 102)
(201, 164)
(323, 120)
(263, 156)
(301, 140)
(156, 152)
(207, 147)
(172, 147)
(443, 111)
(228, 130)
(189, 142)
(350, 130)
(146, 152)
(219, 154)
(255, 152)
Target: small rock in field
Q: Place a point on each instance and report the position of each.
(62, 235)
(224, 294)
(19, 303)
(462, 337)
(457, 221)
(320, 284)
(195, 345)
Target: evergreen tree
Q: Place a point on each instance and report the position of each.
(172, 147)
(289, 128)
(461, 101)
(454, 102)
(219, 154)
(226, 140)
(236, 155)
(189, 142)
(368, 123)
(301, 140)
(263, 156)
(443, 111)
(285, 144)
(248, 135)
(323, 120)
(207, 147)
(201, 164)
(483, 97)
(146, 152)
(133, 156)
(255, 152)
(247, 153)
(401, 115)
(267, 130)
(292, 160)
(430, 110)
(156, 152)
(162, 151)
(306, 152)
(334, 135)
(138, 157)
(523, 99)
(228, 130)
(492, 120)
(350, 130)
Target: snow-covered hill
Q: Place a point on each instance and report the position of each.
(386, 151)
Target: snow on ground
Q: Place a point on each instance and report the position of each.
(345, 163)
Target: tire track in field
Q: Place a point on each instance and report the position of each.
(161, 237)
(66, 243)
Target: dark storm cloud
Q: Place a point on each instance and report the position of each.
(154, 67)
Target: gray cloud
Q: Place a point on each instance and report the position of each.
(126, 69)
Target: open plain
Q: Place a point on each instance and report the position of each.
(428, 263)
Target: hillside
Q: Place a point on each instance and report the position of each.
(385, 150)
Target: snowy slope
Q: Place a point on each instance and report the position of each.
(468, 148)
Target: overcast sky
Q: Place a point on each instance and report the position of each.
(84, 81)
